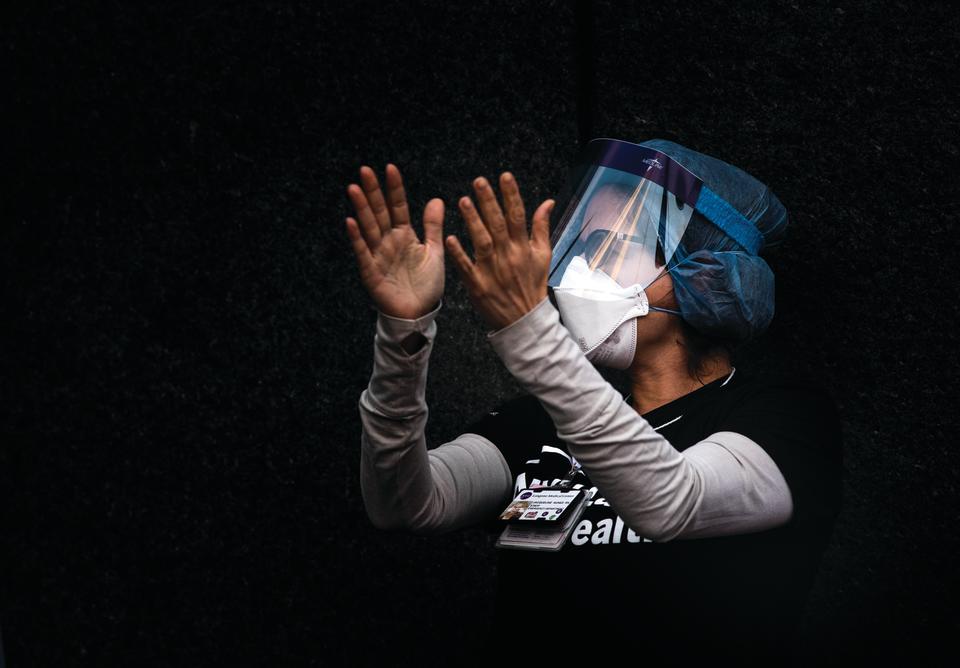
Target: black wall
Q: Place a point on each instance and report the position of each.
(186, 339)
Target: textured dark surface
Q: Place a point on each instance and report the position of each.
(186, 338)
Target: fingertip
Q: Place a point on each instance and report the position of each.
(453, 246)
(435, 203)
(353, 230)
(546, 208)
(456, 253)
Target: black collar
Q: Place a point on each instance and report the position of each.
(673, 411)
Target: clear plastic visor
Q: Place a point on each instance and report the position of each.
(619, 225)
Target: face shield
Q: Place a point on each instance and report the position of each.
(623, 228)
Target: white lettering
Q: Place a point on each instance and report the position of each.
(618, 530)
(602, 535)
(632, 537)
(581, 533)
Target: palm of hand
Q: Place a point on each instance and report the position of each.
(403, 276)
(407, 276)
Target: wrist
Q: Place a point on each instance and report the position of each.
(534, 318)
(410, 334)
(412, 314)
(501, 314)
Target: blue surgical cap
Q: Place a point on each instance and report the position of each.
(723, 287)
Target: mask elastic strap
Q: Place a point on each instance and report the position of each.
(663, 272)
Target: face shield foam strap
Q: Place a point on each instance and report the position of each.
(719, 212)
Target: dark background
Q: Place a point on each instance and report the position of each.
(186, 338)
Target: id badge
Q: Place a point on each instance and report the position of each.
(542, 505)
(542, 518)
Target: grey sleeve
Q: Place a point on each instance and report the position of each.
(724, 485)
(405, 486)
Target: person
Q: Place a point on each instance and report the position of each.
(713, 493)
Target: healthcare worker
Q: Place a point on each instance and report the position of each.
(712, 494)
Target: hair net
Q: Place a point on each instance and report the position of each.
(723, 288)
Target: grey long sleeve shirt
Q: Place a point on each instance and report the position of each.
(724, 485)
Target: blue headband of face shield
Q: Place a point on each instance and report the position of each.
(639, 211)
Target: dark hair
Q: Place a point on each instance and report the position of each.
(701, 348)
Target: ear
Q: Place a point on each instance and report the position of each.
(660, 293)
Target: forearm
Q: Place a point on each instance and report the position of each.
(404, 485)
(715, 488)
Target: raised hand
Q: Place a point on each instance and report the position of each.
(509, 276)
(403, 276)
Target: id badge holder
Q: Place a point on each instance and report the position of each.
(542, 518)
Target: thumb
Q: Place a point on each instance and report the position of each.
(540, 229)
(433, 222)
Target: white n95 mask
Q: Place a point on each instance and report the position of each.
(600, 314)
